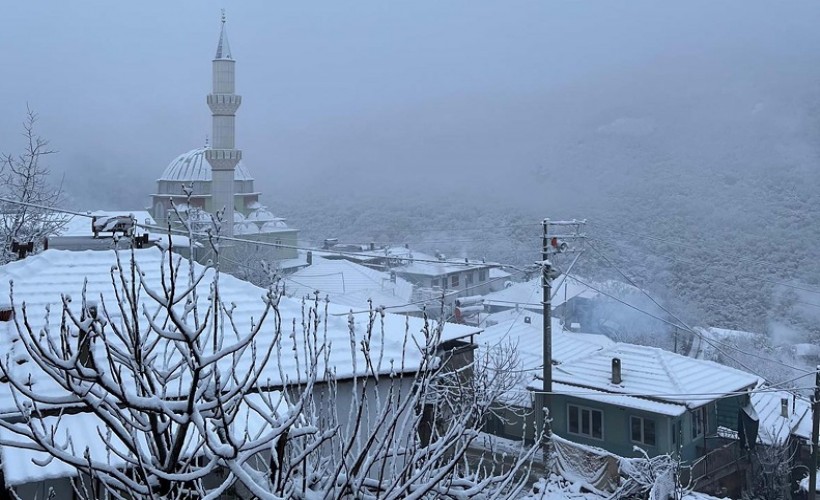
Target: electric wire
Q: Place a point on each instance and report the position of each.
(689, 329)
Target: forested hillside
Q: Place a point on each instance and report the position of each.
(701, 187)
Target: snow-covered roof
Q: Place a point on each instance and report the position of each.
(527, 340)
(422, 264)
(77, 225)
(192, 166)
(655, 373)
(528, 293)
(348, 283)
(40, 280)
(22, 465)
(622, 400)
(496, 273)
(774, 428)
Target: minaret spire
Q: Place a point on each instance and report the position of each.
(223, 155)
(223, 48)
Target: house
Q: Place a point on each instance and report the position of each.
(436, 278)
(40, 281)
(571, 301)
(519, 335)
(349, 284)
(629, 395)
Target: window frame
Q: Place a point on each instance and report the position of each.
(642, 438)
(579, 411)
(483, 275)
(454, 281)
(698, 424)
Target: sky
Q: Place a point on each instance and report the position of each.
(373, 96)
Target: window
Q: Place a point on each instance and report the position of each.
(468, 279)
(698, 422)
(642, 430)
(454, 281)
(585, 422)
(482, 275)
(434, 283)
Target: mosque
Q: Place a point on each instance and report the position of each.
(217, 175)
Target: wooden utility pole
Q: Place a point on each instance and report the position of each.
(546, 288)
(815, 436)
(551, 245)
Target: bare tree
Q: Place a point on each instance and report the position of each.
(186, 404)
(771, 468)
(25, 182)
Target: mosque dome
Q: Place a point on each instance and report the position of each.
(245, 228)
(192, 166)
(261, 214)
(273, 226)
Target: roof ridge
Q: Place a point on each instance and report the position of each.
(661, 354)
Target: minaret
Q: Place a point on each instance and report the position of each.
(223, 155)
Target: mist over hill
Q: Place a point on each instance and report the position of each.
(695, 161)
(699, 183)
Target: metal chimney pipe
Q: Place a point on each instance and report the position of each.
(784, 407)
(616, 371)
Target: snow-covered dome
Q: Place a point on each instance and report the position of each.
(272, 226)
(245, 228)
(238, 217)
(261, 214)
(192, 166)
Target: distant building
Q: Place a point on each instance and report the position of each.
(217, 177)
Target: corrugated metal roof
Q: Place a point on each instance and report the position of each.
(774, 428)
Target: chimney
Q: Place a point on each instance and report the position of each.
(372, 245)
(407, 246)
(310, 258)
(784, 407)
(616, 371)
(527, 319)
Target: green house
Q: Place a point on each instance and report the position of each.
(629, 396)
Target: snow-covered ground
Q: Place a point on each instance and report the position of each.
(557, 488)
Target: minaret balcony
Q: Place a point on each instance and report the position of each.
(224, 104)
(223, 159)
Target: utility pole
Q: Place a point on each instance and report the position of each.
(546, 289)
(551, 245)
(815, 435)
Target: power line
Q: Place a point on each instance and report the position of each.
(686, 327)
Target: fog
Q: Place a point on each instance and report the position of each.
(694, 123)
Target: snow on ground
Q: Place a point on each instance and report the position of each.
(557, 488)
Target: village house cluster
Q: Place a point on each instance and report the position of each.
(608, 397)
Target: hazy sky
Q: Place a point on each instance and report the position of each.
(371, 92)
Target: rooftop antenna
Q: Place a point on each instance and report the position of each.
(206, 142)
(223, 16)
